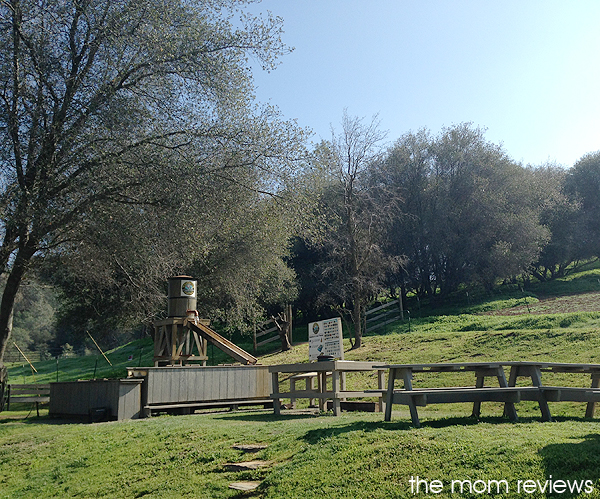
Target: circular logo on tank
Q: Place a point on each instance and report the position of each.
(315, 328)
(188, 288)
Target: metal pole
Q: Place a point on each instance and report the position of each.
(401, 306)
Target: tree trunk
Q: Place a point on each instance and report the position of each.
(9, 295)
(3, 383)
(356, 319)
(285, 341)
(283, 325)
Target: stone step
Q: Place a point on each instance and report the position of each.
(250, 447)
(246, 466)
(244, 486)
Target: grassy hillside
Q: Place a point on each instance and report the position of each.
(543, 324)
(356, 455)
(565, 337)
(135, 354)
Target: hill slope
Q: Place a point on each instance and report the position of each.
(356, 455)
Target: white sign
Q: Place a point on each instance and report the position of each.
(325, 338)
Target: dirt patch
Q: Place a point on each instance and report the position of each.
(584, 302)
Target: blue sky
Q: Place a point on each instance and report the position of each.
(527, 70)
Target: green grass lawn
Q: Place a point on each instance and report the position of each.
(357, 455)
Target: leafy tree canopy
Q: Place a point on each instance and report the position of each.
(112, 111)
(466, 215)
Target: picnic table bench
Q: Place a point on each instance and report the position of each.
(476, 394)
(534, 371)
(506, 391)
(309, 379)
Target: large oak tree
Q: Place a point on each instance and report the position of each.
(125, 103)
(467, 215)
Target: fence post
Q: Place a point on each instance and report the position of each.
(290, 320)
(401, 306)
(4, 386)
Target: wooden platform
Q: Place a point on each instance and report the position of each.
(337, 370)
(182, 340)
(190, 407)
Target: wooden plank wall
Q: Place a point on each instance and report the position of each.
(207, 384)
(76, 398)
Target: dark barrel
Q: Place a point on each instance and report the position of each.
(182, 295)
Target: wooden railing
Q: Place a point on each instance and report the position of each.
(13, 355)
(28, 394)
(383, 315)
(269, 330)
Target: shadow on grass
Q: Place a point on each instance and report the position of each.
(314, 436)
(338, 427)
(266, 417)
(25, 417)
(318, 434)
(497, 420)
(588, 451)
(575, 462)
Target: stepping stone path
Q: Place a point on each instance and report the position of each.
(246, 466)
(244, 486)
(250, 447)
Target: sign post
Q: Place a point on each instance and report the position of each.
(325, 339)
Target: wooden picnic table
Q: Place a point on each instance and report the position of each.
(506, 391)
(334, 368)
(475, 394)
(534, 371)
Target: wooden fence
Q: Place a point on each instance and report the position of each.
(269, 330)
(13, 355)
(383, 315)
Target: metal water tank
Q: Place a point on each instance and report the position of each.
(182, 295)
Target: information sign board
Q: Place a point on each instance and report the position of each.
(325, 339)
